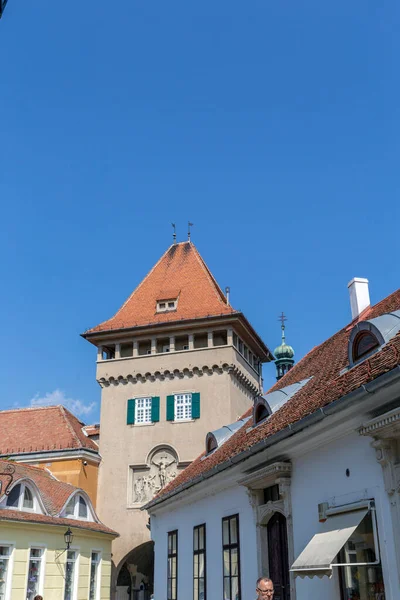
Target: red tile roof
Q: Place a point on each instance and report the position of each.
(41, 429)
(54, 495)
(180, 273)
(325, 364)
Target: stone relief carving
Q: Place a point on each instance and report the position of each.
(146, 483)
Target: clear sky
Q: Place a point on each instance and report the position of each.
(274, 126)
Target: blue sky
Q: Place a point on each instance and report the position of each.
(273, 126)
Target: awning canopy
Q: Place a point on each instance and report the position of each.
(318, 556)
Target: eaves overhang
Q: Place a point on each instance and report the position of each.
(389, 378)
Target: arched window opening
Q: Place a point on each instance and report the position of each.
(77, 508)
(261, 413)
(364, 343)
(211, 444)
(21, 497)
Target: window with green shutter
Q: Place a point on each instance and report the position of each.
(130, 413)
(196, 405)
(170, 408)
(155, 409)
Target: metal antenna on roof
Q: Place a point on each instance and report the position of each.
(282, 319)
(174, 234)
(189, 226)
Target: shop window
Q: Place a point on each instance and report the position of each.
(361, 575)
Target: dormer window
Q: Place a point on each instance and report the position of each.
(167, 305)
(364, 343)
(211, 443)
(77, 508)
(261, 410)
(22, 498)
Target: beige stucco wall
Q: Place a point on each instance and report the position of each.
(22, 536)
(224, 396)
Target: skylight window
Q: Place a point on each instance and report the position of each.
(167, 305)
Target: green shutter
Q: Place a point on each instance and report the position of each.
(170, 408)
(196, 406)
(155, 409)
(130, 413)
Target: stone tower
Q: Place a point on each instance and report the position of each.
(175, 362)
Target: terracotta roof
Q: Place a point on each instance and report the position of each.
(180, 273)
(324, 364)
(53, 493)
(92, 430)
(41, 429)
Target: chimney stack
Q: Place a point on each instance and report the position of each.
(359, 296)
(227, 292)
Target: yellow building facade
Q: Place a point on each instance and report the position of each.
(34, 557)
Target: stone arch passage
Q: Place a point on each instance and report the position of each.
(135, 574)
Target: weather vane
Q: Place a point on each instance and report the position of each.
(174, 234)
(189, 226)
(282, 319)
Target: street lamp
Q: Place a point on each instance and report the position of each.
(68, 537)
(2, 6)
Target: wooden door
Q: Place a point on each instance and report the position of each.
(278, 556)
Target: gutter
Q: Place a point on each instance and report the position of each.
(334, 407)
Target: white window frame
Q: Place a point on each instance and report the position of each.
(98, 580)
(42, 561)
(75, 574)
(187, 401)
(10, 567)
(75, 515)
(21, 507)
(140, 411)
(167, 305)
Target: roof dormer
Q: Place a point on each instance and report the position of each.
(23, 496)
(78, 507)
(368, 337)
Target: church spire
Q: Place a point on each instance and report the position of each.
(283, 354)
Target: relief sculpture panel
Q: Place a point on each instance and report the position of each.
(148, 481)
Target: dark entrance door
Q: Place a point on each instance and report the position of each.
(278, 556)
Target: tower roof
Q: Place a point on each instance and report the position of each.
(180, 274)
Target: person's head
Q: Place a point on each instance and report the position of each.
(264, 589)
(38, 597)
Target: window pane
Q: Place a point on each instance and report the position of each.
(196, 589)
(69, 575)
(196, 565)
(234, 562)
(196, 538)
(225, 534)
(83, 511)
(227, 565)
(70, 508)
(5, 552)
(201, 565)
(201, 538)
(93, 576)
(233, 524)
(227, 589)
(360, 547)
(235, 588)
(13, 497)
(28, 498)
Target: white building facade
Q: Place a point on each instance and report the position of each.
(305, 495)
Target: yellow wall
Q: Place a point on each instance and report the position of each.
(73, 471)
(23, 536)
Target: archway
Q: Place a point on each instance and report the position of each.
(136, 574)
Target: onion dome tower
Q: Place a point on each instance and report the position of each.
(284, 354)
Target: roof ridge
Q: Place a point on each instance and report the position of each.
(63, 411)
(29, 408)
(138, 286)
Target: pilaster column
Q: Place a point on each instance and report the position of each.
(230, 337)
(135, 348)
(153, 345)
(172, 344)
(99, 352)
(117, 350)
(210, 339)
(191, 341)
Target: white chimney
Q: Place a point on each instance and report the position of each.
(359, 296)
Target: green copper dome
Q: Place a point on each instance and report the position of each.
(283, 351)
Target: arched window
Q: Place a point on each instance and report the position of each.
(261, 413)
(364, 343)
(211, 443)
(21, 497)
(77, 508)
